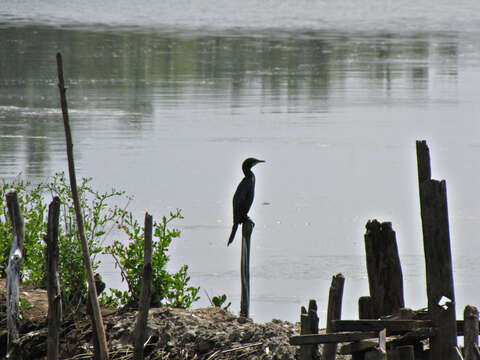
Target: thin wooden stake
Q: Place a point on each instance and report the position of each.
(78, 211)
(13, 272)
(334, 312)
(247, 228)
(53, 280)
(146, 292)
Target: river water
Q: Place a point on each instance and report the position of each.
(168, 97)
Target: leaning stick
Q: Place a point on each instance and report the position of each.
(102, 341)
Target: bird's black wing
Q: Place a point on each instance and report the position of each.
(243, 199)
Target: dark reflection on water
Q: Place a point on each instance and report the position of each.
(119, 75)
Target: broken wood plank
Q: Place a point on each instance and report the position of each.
(338, 337)
(409, 338)
(377, 325)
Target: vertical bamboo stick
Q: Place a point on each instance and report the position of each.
(78, 211)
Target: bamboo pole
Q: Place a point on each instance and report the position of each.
(53, 280)
(78, 211)
(13, 271)
(146, 292)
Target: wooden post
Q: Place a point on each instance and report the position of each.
(384, 269)
(365, 308)
(247, 228)
(470, 340)
(334, 312)
(13, 271)
(92, 292)
(382, 345)
(406, 352)
(146, 293)
(438, 258)
(53, 280)
(309, 325)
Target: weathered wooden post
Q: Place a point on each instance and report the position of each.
(146, 292)
(438, 258)
(365, 308)
(384, 269)
(92, 291)
(406, 352)
(470, 340)
(53, 280)
(309, 325)
(13, 271)
(334, 312)
(247, 228)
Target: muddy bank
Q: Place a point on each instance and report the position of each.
(209, 333)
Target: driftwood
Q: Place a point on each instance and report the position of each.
(100, 329)
(384, 269)
(13, 272)
(334, 312)
(247, 228)
(53, 281)
(146, 292)
(438, 258)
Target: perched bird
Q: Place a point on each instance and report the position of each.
(243, 198)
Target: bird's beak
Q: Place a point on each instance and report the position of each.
(260, 161)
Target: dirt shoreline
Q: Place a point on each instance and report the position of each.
(207, 333)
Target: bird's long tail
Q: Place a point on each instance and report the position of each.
(232, 235)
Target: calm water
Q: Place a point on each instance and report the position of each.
(167, 98)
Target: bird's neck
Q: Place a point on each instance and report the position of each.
(247, 172)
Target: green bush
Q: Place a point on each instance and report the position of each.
(168, 289)
(101, 216)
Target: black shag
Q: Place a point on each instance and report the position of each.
(243, 198)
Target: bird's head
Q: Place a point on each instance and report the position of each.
(250, 162)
